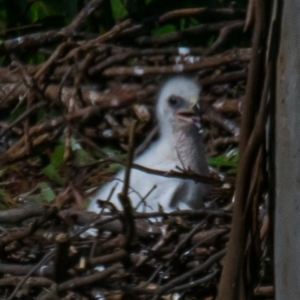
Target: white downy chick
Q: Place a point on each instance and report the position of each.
(179, 144)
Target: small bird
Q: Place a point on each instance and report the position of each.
(179, 144)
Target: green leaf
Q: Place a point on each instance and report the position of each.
(232, 171)
(57, 157)
(37, 58)
(75, 145)
(47, 192)
(164, 29)
(229, 159)
(51, 172)
(118, 9)
(114, 167)
(82, 157)
(2, 171)
(48, 8)
(110, 151)
(40, 10)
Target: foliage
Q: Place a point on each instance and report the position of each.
(227, 161)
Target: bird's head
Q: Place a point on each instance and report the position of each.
(178, 104)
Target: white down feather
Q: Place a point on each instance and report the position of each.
(179, 143)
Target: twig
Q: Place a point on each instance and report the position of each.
(18, 215)
(224, 34)
(225, 141)
(181, 13)
(237, 55)
(215, 117)
(82, 281)
(30, 282)
(128, 53)
(19, 270)
(171, 284)
(186, 174)
(52, 36)
(182, 34)
(105, 259)
(123, 196)
(187, 238)
(23, 116)
(45, 259)
(189, 12)
(79, 20)
(195, 283)
(224, 78)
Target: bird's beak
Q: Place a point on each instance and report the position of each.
(190, 115)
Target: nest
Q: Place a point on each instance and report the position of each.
(180, 253)
(82, 97)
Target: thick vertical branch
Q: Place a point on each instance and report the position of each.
(123, 196)
(255, 75)
(251, 139)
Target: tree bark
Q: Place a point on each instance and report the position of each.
(287, 157)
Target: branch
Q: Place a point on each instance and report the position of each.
(52, 36)
(237, 55)
(190, 12)
(182, 34)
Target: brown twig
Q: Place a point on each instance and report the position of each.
(109, 258)
(123, 196)
(23, 116)
(19, 285)
(51, 36)
(182, 34)
(215, 117)
(170, 285)
(129, 53)
(80, 18)
(225, 32)
(20, 214)
(189, 12)
(82, 281)
(30, 282)
(224, 78)
(237, 55)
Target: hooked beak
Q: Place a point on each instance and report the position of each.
(190, 115)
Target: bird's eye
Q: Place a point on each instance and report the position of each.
(173, 101)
